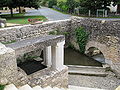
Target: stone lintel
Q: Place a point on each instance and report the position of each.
(28, 45)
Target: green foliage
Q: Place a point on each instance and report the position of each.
(71, 46)
(26, 57)
(83, 10)
(29, 57)
(51, 3)
(21, 18)
(2, 87)
(71, 5)
(19, 3)
(81, 36)
(44, 2)
(93, 5)
(54, 32)
(62, 5)
(12, 41)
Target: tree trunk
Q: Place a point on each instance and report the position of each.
(11, 11)
(118, 9)
(19, 9)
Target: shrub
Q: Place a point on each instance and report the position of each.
(83, 10)
(81, 36)
(2, 87)
(51, 3)
(62, 5)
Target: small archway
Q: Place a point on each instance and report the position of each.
(96, 54)
(104, 49)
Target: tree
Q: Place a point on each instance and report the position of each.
(19, 3)
(71, 5)
(51, 3)
(93, 5)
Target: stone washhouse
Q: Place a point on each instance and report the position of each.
(103, 35)
(53, 50)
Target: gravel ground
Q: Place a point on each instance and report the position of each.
(110, 82)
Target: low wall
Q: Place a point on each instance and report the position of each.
(28, 31)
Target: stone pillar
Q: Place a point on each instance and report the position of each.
(8, 65)
(47, 56)
(58, 56)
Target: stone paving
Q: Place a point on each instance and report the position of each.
(109, 82)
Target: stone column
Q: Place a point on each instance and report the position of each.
(47, 56)
(8, 64)
(58, 56)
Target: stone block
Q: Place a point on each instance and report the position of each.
(8, 64)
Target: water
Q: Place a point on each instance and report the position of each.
(99, 58)
(72, 57)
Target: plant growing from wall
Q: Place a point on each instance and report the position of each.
(82, 37)
(2, 87)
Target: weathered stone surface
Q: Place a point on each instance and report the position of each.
(29, 31)
(2, 22)
(3, 81)
(44, 78)
(103, 35)
(8, 64)
(8, 61)
(33, 44)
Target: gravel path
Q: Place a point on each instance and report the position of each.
(50, 14)
(109, 82)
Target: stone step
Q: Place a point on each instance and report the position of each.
(48, 88)
(25, 87)
(55, 88)
(82, 88)
(10, 87)
(87, 70)
(37, 88)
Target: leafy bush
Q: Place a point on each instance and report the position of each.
(2, 87)
(55, 32)
(81, 36)
(51, 3)
(83, 10)
(62, 5)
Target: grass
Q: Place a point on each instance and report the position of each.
(20, 18)
(9, 42)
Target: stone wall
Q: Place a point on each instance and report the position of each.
(28, 31)
(104, 35)
(43, 78)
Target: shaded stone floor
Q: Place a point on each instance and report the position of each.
(109, 82)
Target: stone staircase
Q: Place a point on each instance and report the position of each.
(87, 70)
(27, 87)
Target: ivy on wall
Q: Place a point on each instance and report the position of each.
(82, 37)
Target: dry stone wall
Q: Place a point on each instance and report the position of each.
(28, 31)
